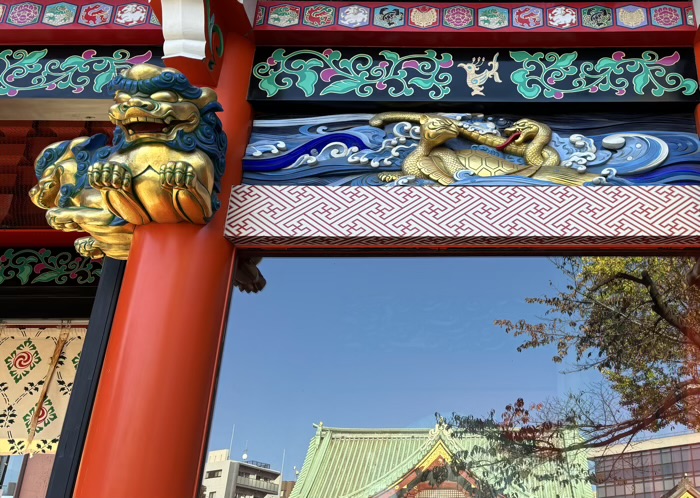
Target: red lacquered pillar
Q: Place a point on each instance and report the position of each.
(150, 422)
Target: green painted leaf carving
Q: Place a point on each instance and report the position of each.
(307, 82)
(23, 71)
(565, 60)
(72, 61)
(606, 63)
(269, 86)
(689, 87)
(423, 83)
(34, 57)
(359, 73)
(522, 56)
(278, 55)
(390, 56)
(341, 87)
(46, 277)
(60, 268)
(520, 78)
(24, 272)
(556, 75)
(102, 79)
(640, 81)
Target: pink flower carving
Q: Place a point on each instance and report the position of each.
(24, 14)
(667, 16)
(670, 60)
(458, 16)
(327, 74)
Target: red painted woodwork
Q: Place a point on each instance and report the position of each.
(150, 422)
(47, 237)
(20, 144)
(441, 36)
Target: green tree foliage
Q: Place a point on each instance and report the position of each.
(636, 321)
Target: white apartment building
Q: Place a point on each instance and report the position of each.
(226, 478)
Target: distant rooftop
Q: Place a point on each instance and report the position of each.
(650, 444)
(357, 463)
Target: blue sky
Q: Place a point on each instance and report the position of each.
(377, 342)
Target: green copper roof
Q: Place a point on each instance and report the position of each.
(360, 463)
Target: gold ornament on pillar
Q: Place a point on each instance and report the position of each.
(164, 165)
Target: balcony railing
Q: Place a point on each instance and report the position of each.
(268, 486)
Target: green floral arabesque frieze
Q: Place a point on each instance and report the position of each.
(22, 71)
(29, 266)
(556, 75)
(360, 74)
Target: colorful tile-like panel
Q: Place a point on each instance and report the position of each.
(408, 16)
(47, 13)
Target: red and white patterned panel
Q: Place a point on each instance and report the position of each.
(315, 217)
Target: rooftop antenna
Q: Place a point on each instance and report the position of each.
(245, 452)
(284, 454)
(230, 445)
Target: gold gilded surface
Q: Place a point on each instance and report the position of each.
(151, 181)
(83, 211)
(160, 169)
(527, 138)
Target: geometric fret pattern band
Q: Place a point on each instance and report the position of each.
(274, 217)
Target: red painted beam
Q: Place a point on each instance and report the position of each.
(38, 238)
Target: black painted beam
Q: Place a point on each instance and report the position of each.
(75, 426)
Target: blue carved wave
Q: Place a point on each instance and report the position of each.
(345, 150)
(280, 162)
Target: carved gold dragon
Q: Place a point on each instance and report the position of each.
(527, 138)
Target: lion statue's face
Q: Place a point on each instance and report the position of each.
(45, 193)
(64, 170)
(157, 117)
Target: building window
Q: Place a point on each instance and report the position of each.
(212, 473)
(213, 493)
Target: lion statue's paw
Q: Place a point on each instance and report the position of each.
(110, 175)
(88, 248)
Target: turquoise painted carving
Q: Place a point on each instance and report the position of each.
(29, 266)
(360, 74)
(214, 31)
(556, 75)
(22, 71)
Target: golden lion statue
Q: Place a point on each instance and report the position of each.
(164, 165)
(74, 208)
